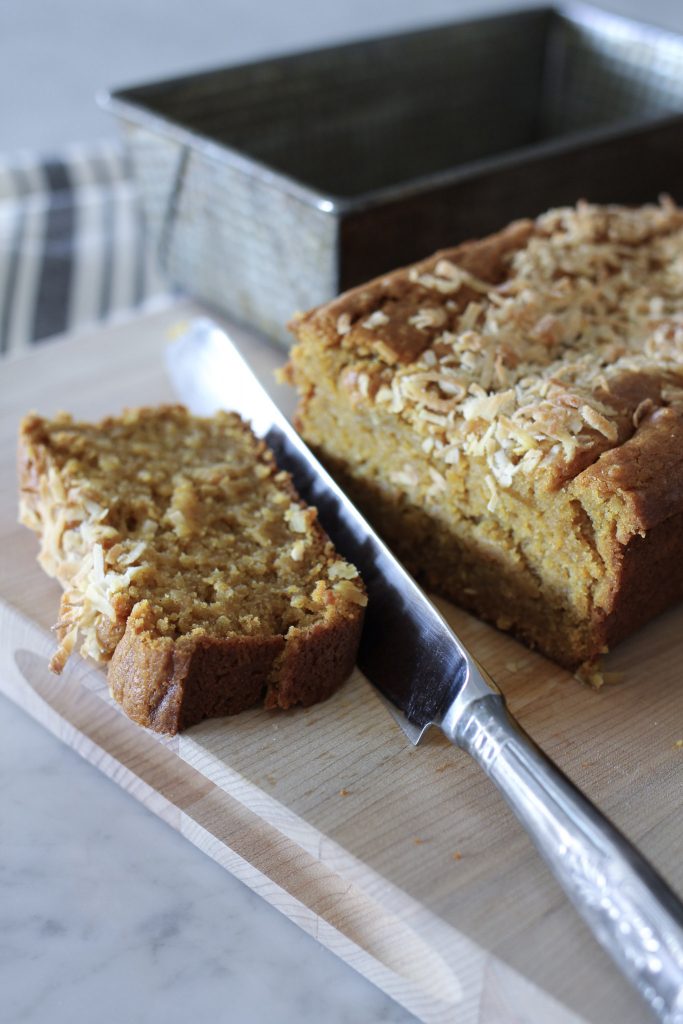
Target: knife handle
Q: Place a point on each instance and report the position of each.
(631, 910)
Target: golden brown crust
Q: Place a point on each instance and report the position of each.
(649, 580)
(312, 661)
(645, 474)
(169, 686)
(397, 294)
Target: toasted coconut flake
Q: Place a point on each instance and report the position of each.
(428, 318)
(531, 460)
(348, 591)
(344, 323)
(450, 454)
(438, 480)
(407, 476)
(471, 315)
(488, 407)
(342, 571)
(298, 550)
(432, 417)
(502, 468)
(494, 500)
(426, 389)
(439, 284)
(599, 422)
(299, 519)
(643, 409)
(385, 352)
(375, 320)
(548, 330)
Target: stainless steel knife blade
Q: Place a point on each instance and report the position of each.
(408, 649)
(411, 654)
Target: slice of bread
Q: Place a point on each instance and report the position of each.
(188, 563)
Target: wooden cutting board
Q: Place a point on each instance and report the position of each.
(402, 860)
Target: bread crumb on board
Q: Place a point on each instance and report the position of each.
(593, 674)
(516, 664)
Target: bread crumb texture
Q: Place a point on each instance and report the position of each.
(188, 563)
(509, 413)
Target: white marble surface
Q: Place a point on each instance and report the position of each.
(108, 915)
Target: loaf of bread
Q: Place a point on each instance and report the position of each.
(509, 414)
(188, 563)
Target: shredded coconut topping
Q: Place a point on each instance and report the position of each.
(530, 372)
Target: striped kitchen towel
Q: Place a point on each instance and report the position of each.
(72, 244)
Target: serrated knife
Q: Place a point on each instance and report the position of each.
(412, 656)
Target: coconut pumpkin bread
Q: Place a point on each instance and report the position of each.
(188, 563)
(509, 413)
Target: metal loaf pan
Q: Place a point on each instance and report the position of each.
(272, 186)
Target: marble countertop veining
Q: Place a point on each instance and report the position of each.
(108, 914)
